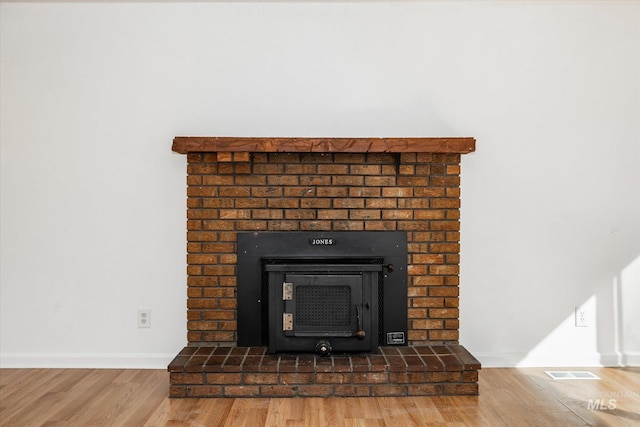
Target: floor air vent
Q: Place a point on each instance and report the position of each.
(572, 375)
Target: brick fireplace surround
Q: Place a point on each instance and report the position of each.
(323, 184)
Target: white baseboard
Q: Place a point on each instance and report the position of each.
(524, 360)
(86, 360)
(631, 359)
(499, 360)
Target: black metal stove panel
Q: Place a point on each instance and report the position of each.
(369, 266)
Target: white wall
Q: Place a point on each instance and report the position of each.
(93, 200)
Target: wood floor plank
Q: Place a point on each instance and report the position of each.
(316, 413)
(406, 412)
(152, 391)
(191, 412)
(508, 397)
(31, 384)
(84, 390)
(282, 411)
(207, 413)
(248, 412)
(481, 415)
(8, 376)
(334, 410)
(44, 389)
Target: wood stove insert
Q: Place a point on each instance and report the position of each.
(322, 292)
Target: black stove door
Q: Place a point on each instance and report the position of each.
(336, 306)
(323, 304)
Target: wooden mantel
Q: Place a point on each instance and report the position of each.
(199, 144)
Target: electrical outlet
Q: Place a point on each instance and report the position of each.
(582, 319)
(144, 318)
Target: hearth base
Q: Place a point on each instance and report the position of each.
(425, 370)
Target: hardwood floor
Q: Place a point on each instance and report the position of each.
(508, 397)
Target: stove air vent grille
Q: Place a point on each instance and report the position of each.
(323, 306)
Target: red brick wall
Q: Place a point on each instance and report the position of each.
(413, 192)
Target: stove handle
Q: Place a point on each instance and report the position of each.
(360, 333)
